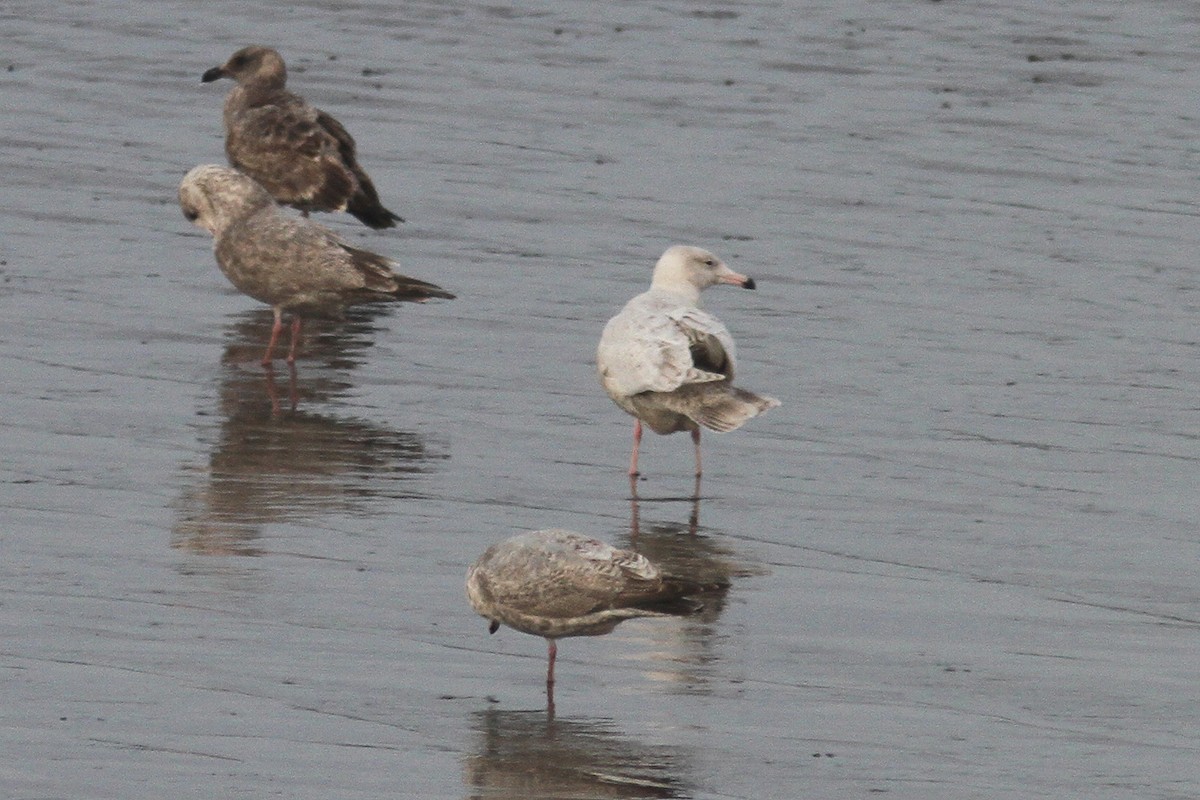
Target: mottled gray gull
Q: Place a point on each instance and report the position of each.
(294, 265)
(669, 363)
(300, 154)
(556, 583)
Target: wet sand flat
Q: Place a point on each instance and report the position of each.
(962, 552)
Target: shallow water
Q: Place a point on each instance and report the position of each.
(963, 552)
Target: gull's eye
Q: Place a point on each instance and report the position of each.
(191, 214)
(708, 262)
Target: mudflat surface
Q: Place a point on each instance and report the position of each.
(963, 552)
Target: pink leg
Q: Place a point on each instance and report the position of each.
(696, 440)
(276, 329)
(637, 440)
(296, 322)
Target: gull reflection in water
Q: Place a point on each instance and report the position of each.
(523, 755)
(327, 352)
(268, 466)
(689, 652)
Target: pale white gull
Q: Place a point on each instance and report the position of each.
(668, 362)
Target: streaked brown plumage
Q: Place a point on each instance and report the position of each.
(294, 265)
(556, 583)
(303, 156)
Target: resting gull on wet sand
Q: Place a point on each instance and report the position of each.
(668, 362)
(294, 265)
(300, 154)
(556, 583)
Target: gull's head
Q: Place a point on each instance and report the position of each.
(691, 270)
(252, 65)
(212, 196)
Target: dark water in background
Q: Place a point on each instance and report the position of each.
(964, 551)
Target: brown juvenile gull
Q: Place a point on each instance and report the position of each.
(293, 265)
(300, 154)
(669, 363)
(557, 583)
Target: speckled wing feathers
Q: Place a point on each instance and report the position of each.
(650, 346)
(289, 263)
(303, 156)
(671, 364)
(717, 406)
(364, 201)
(303, 267)
(574, 576)
(378, 276)
(282, 144)
(345, 142)
(558, 583)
